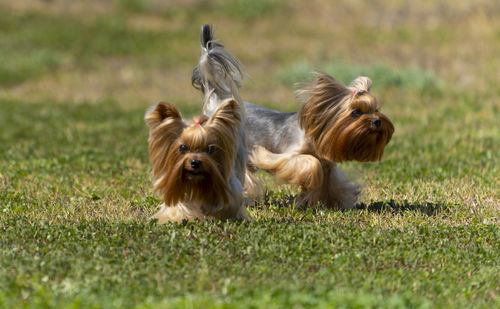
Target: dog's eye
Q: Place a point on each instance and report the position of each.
(356, 113)
(210, 149)
(183, 149)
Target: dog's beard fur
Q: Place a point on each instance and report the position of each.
(180, 183)
(174, 145)
(337, 134)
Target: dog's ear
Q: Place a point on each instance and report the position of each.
(227, 115)
(165, 126)
(161, 111)
(224, 124)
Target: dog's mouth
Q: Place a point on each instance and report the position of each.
(194, 174)
(374, 130)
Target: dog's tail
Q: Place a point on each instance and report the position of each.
(218, 74)
(293, 168)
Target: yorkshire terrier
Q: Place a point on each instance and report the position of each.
(335, 123)
(194, 163)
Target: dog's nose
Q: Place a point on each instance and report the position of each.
(196, 164)
(377, 122)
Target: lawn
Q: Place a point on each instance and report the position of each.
(75, 184)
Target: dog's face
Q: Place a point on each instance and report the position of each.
(361, 132)
(192, 161)
(344, 123)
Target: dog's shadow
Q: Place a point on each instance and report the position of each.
(400, 207)
(284, 200)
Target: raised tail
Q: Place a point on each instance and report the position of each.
(218, 74)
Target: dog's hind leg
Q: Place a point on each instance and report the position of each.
(336, 190)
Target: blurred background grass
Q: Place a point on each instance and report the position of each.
(139, 51)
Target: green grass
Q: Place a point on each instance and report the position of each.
(75, 185)
(228, 264)
(35, 44)
(249, 9)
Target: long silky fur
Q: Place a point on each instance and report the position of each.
(303, 170)
(332, 135)
(320, 180)
(218, 72)
(165, 123)
(325, 101)
(218, 194)
(225, 123)
(335, 191)
(326, 120)
(174, 189)
(292, 140)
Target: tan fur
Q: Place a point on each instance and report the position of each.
(326, 117)
(334, 134)
(293, 168)
(210, 190)
(181, 212)
(336, 190)
(320, 180)
(165, 125)
(328, 132)
(252, 187)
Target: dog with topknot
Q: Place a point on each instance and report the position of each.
(199, 165)
(194, 163)
(336, 123)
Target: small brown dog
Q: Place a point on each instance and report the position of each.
(194, 163)
(336, 123)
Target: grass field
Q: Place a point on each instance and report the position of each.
(75, 189)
